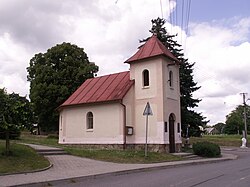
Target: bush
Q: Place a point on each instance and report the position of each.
(206, 149)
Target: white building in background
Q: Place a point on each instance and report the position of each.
(107, 111)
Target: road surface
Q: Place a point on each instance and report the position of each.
(233, 173)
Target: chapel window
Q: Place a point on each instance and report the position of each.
(89, 120)
(145, 76)
(170, 79)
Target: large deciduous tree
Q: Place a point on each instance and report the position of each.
(15, 113)
(235, 122)
(53, 77)
(187, 83)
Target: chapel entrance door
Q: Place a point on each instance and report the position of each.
(171, 133)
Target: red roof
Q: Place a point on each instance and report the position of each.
(153, 47)
(101, 89)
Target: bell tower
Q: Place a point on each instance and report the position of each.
(155, 71)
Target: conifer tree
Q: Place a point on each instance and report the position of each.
(187, 83)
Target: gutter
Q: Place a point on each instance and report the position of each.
(124, 126)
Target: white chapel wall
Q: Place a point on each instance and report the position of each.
(106, 128)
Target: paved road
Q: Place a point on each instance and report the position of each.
(233, 173)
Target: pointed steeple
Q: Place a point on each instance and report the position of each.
(153, 47)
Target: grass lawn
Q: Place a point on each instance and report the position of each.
(118, 156)
(222, 140)
(123, 156)
(26, 137)
(22, 159)
(25, 159)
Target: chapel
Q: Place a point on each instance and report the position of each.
(107, 111)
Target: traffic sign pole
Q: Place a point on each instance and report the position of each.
(146, 144)
(147, 112)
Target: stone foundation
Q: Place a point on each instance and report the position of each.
(160, 148)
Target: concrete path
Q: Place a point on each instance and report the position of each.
(67, 167)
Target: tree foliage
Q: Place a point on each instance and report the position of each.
(187, 83)
(15, 113)
(235, 120)
(53, 77)
(219, 127)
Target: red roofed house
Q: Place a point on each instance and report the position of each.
(107, 111)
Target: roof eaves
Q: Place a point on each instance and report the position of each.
(89, 103)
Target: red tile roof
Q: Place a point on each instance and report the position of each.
(101, 89)
(153, 47)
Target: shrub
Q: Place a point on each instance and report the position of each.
(206, 149)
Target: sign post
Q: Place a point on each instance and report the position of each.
(147, 112)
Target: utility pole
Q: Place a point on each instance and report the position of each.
(245, 115)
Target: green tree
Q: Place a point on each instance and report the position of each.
(220, 127)
(187, 84)
(53, 77)
(235, 122)
(15, 113)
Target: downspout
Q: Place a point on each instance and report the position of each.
(124, 125)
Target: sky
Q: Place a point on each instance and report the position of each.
(215, 35)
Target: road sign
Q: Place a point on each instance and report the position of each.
(147, 110)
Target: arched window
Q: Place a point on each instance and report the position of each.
(89, 120)
(170, 79)
(145, 76)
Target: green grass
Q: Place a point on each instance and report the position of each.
(118, 156)
(222, 140)
(25, 159)
(26, 137)
(22, 159)
(122, 156)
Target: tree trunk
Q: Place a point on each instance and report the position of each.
(7, 147)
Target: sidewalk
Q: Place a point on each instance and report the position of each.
(68, 167)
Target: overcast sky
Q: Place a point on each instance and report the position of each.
(217, 39)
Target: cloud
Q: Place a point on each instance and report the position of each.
(222, 64)
(13, 60)
(110, 30)
(113, 34)
(38, 24)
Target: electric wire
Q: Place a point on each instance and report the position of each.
(170, 17)
(188, 15)
(182, 17)
(161, 9)
(175, 13)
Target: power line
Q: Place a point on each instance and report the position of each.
(188, 15)
(182, 15)
(176, 10)
(170, 16)
(161, 9)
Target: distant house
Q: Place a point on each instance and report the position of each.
(211, 131)
(107, 111)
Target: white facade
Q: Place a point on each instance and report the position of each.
(106, 125)
(110, 119)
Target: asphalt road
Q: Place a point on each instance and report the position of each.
(233, 173)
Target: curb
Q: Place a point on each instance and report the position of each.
(32, 171)
(129, 171)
